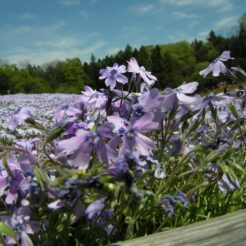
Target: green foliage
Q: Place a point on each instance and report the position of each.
(73, 74)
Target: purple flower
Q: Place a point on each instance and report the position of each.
(20, 116)
(148, 102)
(74, 126)
(95, 208)
(217, 66)
(118, 169)
(27, 163)
(13, 183)
(181, 197)
(147, 77)
(170, 101)
(184, 89)
(20, 222)
(211, 98)
(170, 202)
(122, 106)
(178, 95)
(67, 196)
(94, 99)
(66, 111)
(121, 103)
(28, 144)
(113, 74)
(131, 133)
(80, 147)
(226, 185)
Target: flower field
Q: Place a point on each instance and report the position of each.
(122, 162)
(43, 105)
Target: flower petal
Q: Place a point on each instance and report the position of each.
(186, 99)
(122, 78)
(188, 88)
(144, 144)
(145, 123)
(133, 66)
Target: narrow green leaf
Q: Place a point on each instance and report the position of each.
(211, 156)
(41, 178)
(35, 124)
(238, 167)
(8, 231)
(5, 164)
(233, 110)
(2, 240)
(56, 132)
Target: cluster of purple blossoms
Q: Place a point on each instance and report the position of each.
(16, 191)
(131, 134)
(122, 133)
(169, 203)
(21, 223)
(14, 182)
(83, 143)
(124, 127)
(115, 74)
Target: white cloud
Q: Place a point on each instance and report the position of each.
(91, 49)
(143, 9)
(47, 54)
(226, 22)
(222, 25)
(43, 43)
(202, 35)
(54, 27)
(179, 2)
(59, 43)
(133, 30)
(113, 51)
(179, 36)
(20, 30)
(69, 2)
(184, 15)
(221, 5)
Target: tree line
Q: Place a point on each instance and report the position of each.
(172, 64)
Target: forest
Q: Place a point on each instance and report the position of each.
(172, 64)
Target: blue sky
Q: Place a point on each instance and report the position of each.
(46, 30)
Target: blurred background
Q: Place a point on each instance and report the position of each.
(60, 45)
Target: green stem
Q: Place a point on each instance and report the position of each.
(10, 148)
